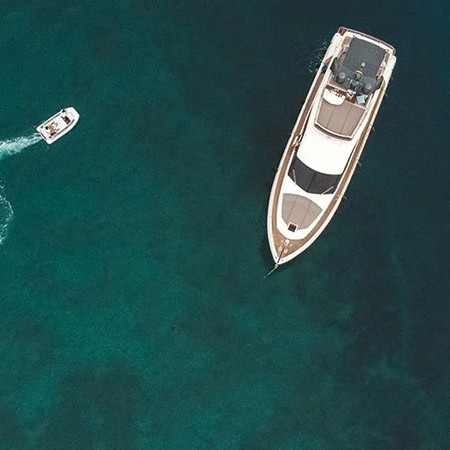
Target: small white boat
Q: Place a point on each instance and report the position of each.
(58, 125)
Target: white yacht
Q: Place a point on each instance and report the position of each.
(327, 140)
(58, 125)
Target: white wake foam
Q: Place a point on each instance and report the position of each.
(16, 145)
(6, 216)
(316, 55)
(11, 147)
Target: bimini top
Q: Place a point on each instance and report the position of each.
(357, 68)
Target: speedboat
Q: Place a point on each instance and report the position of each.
(327, 140)
(58, 125)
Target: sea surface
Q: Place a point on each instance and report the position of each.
(134, 309)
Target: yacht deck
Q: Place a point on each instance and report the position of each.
(284, 245)
(341, 120)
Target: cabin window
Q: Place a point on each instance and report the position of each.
(312, 181)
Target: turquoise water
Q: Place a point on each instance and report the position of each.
(135, 314)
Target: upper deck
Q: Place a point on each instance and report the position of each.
(356, 73)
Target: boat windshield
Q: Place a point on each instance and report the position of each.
(312, 181)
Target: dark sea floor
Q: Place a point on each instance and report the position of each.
(135, 314)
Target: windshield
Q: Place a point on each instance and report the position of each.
(310, 180)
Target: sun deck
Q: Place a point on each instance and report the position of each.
(341, 120)
(299, 212)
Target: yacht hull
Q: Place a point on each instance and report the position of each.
(296, 216)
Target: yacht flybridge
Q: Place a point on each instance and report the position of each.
(327, 140)
(58, 125)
